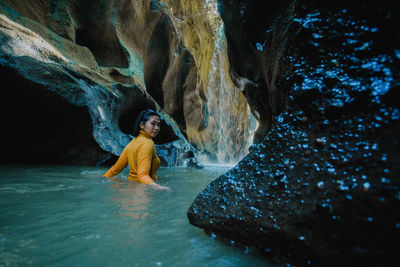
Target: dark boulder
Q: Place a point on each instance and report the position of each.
(322, 188)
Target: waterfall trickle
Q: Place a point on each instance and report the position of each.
(227, 109)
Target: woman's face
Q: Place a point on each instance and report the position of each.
(152, 126)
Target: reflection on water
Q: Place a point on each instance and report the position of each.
(131, 198)
(68, 216)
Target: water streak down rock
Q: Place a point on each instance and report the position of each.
(118, 57)
(322, 188)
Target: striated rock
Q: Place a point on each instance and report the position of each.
(197, 90)
(44, 66)
(323, 187)
(118, 57)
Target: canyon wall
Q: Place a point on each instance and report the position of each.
(112, 59)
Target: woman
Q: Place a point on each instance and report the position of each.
(140, 153)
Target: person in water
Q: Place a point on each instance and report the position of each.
(140, 154)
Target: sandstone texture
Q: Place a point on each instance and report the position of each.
(322, 188)
(112, 59)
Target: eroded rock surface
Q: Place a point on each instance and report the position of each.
(119, 57)
(323, 187)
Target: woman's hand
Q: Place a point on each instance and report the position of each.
(160, 187)
(113, 179)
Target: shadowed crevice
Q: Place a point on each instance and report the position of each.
(41, 127)
(157, 59)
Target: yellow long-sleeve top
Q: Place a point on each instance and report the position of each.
(142, 158)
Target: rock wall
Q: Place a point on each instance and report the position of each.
(322, 188)
(119, 57)
(257, 32)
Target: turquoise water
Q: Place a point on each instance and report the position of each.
(71, 216)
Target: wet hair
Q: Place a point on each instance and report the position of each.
(143, 117)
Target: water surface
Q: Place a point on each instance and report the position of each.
(69, 215)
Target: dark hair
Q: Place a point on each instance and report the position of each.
(143, 117)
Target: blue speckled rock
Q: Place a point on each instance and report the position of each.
(323, 186)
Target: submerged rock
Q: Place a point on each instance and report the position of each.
(322, 188)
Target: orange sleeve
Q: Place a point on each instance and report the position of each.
(144, 156)
(118, 166)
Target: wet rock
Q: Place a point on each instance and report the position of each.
(323, 190)
(256, 33)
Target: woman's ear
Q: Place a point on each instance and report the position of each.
(141, 125)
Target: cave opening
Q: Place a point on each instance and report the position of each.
(41, 127)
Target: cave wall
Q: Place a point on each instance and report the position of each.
(118, 57)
